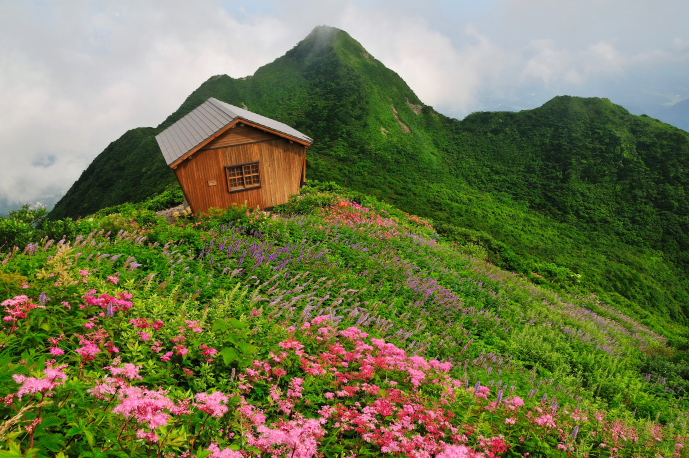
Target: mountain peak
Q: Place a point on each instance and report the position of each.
(325, 33)
(324, 38)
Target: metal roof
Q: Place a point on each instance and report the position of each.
(205, 121)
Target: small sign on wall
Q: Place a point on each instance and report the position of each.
(212, 183)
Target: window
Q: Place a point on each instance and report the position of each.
(243, 176)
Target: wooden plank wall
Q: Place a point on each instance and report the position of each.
(280, 168)
(281, 172)
(239, 135)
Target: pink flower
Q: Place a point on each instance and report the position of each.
(145, 336)
(291, 344)
(112, 304)
(181, 350)
(141, 323)
(416, 377)
(194, 326)
(458, 451)
(212, 404)
(296, 388)
(546, 420)
(182, 408)
(158, 325)
(329, 395)
(166, 356)
(319, 320)
(208, 351)
(88, 351)
(279, 371)
(146, 406)
(255, 415)
(102, 389)
(56, 351)
(514, 403)
(130, 371)
(54, 376)
(510, 421)
(482, 392)
(224, 453)
(150, 436)
(353, 333)
(495, 445)
(18, 308)
(84, 273)
(114, 280)
(299, 436)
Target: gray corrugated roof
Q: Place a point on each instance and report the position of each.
(207, 119)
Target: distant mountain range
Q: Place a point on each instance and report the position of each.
(677, 115)
(45, 201)
(578, 190)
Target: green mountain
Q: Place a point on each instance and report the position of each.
(577, 194)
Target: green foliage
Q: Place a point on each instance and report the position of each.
(21, 226)
(240, 281)
(575, 194)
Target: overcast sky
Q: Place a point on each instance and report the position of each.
(75, 75)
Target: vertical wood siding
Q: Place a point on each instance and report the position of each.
(280, 170)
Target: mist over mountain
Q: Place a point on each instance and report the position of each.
(578, 190)
(677, 115)
(47, 202)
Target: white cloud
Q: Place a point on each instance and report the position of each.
(440, 73)
(554, 66)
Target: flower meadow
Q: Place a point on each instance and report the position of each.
(334, 326)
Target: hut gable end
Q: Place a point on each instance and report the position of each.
(222, 154)
(239, 135)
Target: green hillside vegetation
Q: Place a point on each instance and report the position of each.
(577, 195)
(246, 334)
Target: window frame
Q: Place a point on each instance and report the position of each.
(257, 185)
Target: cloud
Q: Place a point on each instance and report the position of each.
(553, 66)
(438, 71)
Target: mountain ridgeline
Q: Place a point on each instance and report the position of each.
(578, 193)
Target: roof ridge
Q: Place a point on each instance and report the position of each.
(223, 106)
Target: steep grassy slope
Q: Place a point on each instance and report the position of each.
(577, 193)
(337, 324)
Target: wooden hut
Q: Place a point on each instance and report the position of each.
(223, 154)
